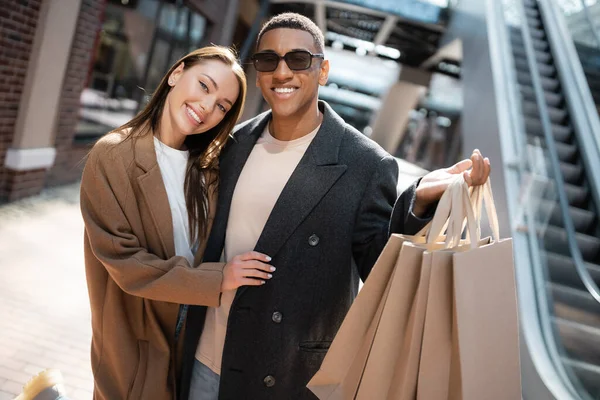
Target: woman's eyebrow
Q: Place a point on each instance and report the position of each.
(212, 80)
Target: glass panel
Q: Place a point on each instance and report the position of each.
(168, 18)
(117, 69)
(197, 31)
(583, 21)
(424, 10)
(126, 59)
(158, 65)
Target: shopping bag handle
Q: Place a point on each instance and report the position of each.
(450, 215)
(483, 194)
(462, 213)
(438, 224)
(461, 207)
(472, 210)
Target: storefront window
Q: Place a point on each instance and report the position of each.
(138, 42)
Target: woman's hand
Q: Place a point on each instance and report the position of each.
(248, 269)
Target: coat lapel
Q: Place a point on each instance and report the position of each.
(231, 164)
(314, 176)
(316, 173)
(154, 192)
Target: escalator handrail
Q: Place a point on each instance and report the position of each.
(563, 202)
(582, 108)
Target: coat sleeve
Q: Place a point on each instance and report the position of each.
(106, 192)
(403, 220)
(382, 213)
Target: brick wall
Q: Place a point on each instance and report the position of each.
(18, 21)
(68, 164)
(24, 183)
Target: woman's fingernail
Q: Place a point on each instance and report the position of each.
(270, 276)
(269, 258)
(273, 269)
(262, 282)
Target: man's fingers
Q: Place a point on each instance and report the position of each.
(468, 179)
(432, 191)
(477, 170)
(480, 172)
(254, 255)
(460, 166)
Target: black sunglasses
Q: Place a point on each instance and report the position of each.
(297, 60)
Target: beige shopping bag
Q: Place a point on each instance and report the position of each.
(399, 330)
(434, 365)
(436, 350)
(486, 318)
(470, 344)
(437, 343)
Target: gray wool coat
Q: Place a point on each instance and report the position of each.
(325, 232)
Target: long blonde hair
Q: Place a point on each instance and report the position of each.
(204, 148)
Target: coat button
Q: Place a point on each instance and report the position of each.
(313, 240)
(277, 317)
(269, 381)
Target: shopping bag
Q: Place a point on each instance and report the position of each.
(470, 346)
(486, 316)
(399, 330)
(437, 342)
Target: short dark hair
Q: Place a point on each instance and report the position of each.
(293, 21)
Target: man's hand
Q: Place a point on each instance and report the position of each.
(248, 269)
(432, 186)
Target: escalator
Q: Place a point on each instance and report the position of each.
(590, 62)
(575, 312)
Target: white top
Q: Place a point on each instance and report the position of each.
(266, 172)
(173, 164)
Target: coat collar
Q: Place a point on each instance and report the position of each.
(144, 153)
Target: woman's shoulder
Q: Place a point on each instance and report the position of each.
(113, 145)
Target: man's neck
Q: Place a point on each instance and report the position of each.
(295, 127)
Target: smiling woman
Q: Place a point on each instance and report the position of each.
(148, 198)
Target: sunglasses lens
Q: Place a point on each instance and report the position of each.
(298, 60)
(264, 62)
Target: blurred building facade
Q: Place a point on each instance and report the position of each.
(72, 70)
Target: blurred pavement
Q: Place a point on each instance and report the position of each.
(44, 309)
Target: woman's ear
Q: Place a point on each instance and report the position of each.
(176, 74)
